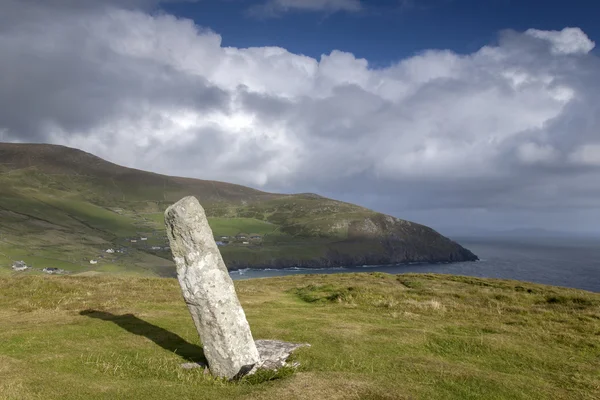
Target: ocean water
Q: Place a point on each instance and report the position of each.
(569, 262)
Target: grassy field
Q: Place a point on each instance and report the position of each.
(233, 226)
(373, 336)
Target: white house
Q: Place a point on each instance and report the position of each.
(144, 238)
(49, 270)
(19, 266)
(93, 262)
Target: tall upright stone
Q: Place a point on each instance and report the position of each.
(209, 292)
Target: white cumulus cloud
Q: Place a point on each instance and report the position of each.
(566, 41)
(496, 129)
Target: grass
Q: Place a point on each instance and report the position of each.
(233, 226)
(95, 217)
(373, 336)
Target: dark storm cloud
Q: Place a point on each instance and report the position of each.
(69, 83)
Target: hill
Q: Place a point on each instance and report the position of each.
(372, 336)
(61, 207)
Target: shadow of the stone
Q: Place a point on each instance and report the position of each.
(162, 337)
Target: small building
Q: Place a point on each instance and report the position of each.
(245, 242)
(19, 266)
(143, 238)
(133, 241)
(155, 247)
(219, 243)
(93, 261)
(241, 236)
(110, 251)
(255, 237)
(224, 237)
(49, 270)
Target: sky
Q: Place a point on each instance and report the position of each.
(459, 114)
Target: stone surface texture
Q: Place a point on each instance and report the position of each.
(274, 353)
(209, 292)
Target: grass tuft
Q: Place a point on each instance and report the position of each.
(266, 375)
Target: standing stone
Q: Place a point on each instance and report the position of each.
(209, 292)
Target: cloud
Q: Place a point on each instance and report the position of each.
(273, 8)
(588, 154)
(567, 41)
(532, 153)
(510, 127)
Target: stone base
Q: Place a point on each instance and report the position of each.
(273, 355)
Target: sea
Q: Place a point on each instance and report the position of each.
(567, 262)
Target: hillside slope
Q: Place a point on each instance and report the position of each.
(62, 207)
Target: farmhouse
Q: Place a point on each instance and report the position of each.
(50, 270)
(19, 266)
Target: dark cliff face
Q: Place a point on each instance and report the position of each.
(335, 259)
(419, 244)
(405, 241)
(375, 240)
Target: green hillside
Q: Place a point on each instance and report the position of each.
(61, 207)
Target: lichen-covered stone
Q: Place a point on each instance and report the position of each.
(274, 353)
(209, 292)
